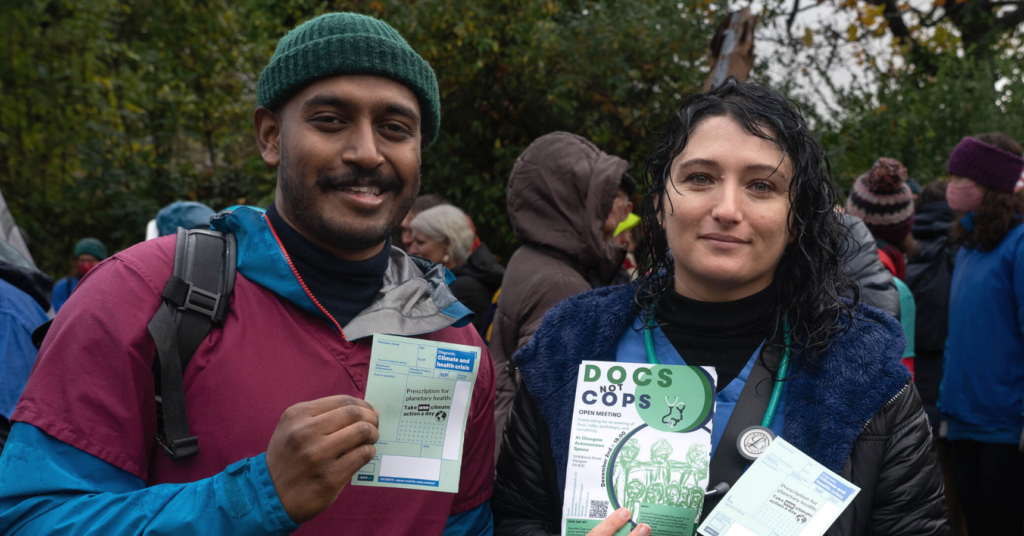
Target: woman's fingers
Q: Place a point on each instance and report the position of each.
(616, 521)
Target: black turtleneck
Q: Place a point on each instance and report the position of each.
(717, 334)
(344, 288)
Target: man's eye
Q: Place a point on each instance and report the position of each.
(326, 120)
(397, 129)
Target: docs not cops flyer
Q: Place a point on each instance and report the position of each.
(641, 439)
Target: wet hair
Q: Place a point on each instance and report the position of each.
(999, 212)
(809, 279)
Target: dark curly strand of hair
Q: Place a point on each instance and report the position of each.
(999, 212)
(810, 277)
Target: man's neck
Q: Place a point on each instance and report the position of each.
(340, 253)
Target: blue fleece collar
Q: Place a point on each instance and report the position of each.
(826, 406)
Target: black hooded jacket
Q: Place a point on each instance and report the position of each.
(929, 276)
(476, 281)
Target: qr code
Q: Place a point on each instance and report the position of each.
(598, 509)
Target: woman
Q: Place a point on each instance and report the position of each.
(883, 199)
(742, 239)
(444, 235)
(982, 392)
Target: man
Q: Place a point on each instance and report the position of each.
(565, 199)
(423, 202)
(275, 394)
(88, 253)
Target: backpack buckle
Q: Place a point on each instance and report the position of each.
(202, 302)
(179, 448)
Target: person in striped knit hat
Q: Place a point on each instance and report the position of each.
(882, 198)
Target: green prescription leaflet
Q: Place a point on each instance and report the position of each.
(423, 390)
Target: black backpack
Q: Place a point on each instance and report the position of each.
(195, 300)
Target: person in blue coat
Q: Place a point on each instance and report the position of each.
(744, 267)
(22, 298)
(982, 393)
(88, 253)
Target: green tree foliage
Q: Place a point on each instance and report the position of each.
(919, 119)
(113, 109)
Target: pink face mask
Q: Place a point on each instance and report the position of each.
(963, 197)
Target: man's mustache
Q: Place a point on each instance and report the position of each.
(361, 177)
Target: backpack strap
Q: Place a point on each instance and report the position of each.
(194, 300)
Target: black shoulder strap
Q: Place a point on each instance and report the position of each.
(194, 300)
(728, 464)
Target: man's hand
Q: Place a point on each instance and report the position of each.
(316, 448)
(616, 521)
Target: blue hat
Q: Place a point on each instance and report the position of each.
(187, 214)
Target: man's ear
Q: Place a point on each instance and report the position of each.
(268, 135)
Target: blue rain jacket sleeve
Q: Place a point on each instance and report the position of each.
(476, 522)
(50, 487)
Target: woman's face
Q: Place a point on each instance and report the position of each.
(428, 248)
(727, 212)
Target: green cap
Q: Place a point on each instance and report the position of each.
(91, 246)
(348, 43)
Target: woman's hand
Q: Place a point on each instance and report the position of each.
(616, 521)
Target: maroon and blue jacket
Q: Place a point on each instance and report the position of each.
(82, 456)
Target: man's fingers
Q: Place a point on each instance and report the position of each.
(352, 436)
(352, 460)
(343, 417)
(323, 405)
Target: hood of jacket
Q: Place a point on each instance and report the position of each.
(30, 281)
(482, 267)
(560, 193)
(414, 299)
(826, 405)
(932, 226)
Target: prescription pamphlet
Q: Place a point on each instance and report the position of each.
(784, 493)
(641, 439)
(423, 391)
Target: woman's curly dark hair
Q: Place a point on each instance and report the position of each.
(999, 212)
(809, 278)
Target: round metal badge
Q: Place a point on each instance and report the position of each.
(753, 441)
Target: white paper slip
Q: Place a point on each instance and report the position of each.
(784, 493)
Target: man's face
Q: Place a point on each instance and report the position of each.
(348, 155)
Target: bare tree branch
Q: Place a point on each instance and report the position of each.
(792, 18)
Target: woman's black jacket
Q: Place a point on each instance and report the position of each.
(889, 454)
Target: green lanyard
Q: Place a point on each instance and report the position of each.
(773, 404)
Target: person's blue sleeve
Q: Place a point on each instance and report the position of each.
(50, 487)
(476, 522)
(1018, 281)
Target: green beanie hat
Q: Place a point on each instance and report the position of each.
(348, 43)
(91, 246)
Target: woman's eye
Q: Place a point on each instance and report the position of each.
(699, 179)
(762, 187)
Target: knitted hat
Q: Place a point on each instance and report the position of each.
(985, 164)
(91, 246)
(882, 199)
(348, 43)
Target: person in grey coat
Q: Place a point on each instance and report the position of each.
(863, 266)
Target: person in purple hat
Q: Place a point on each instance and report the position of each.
(982, 393)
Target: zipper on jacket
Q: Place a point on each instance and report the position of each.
(887, 404)
(303, 283)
